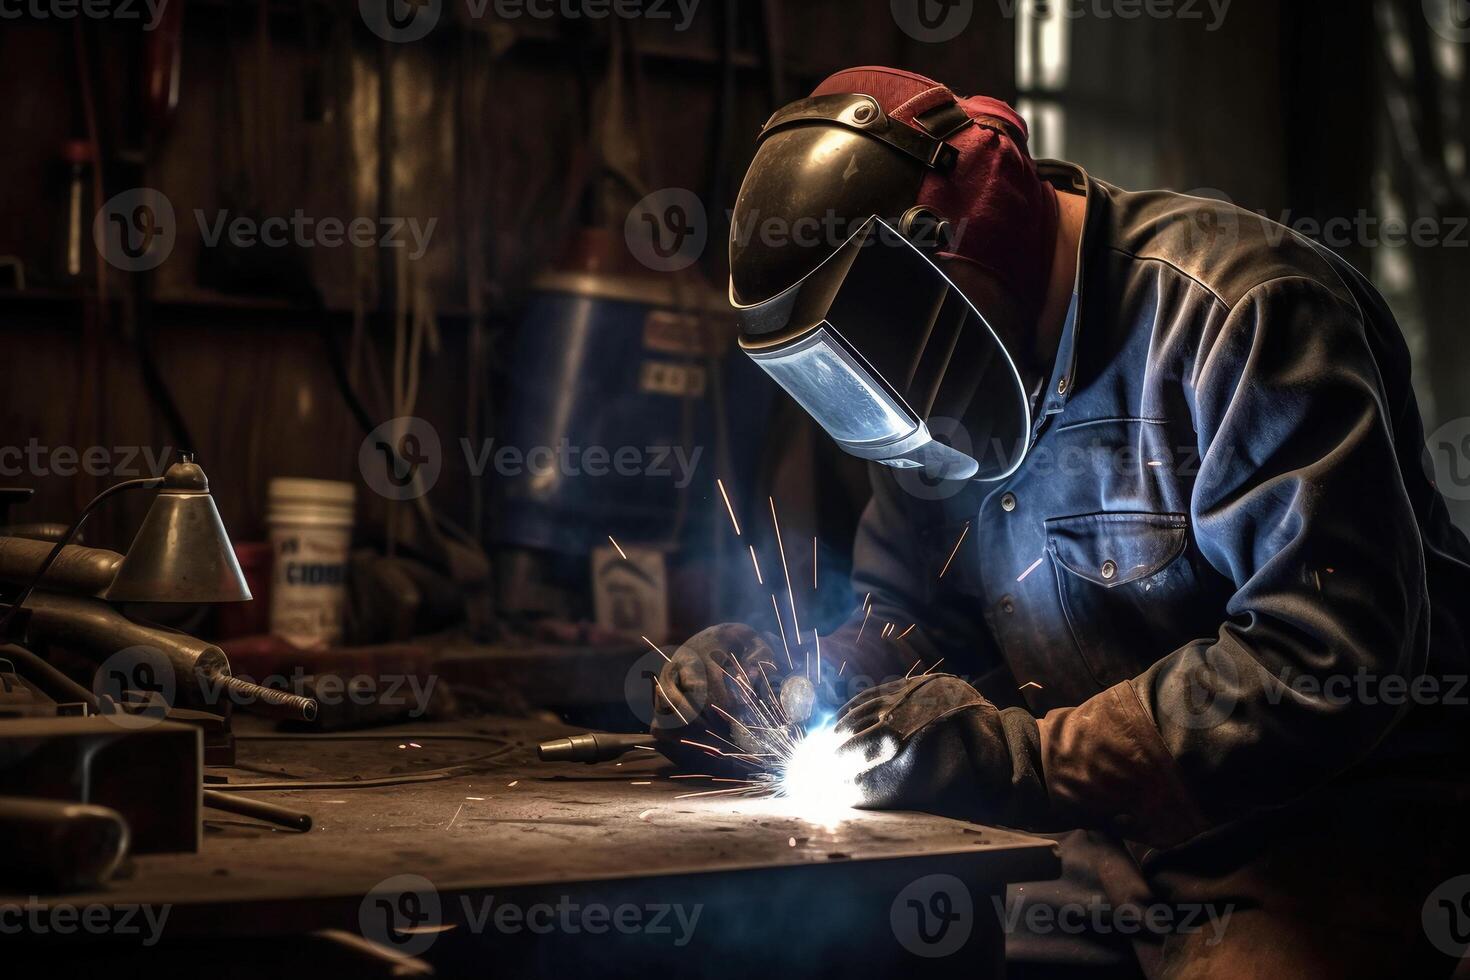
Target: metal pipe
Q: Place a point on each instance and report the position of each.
(86, 571)
(259, 809)
(94, 627)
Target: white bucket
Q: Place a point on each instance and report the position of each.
(311, 532)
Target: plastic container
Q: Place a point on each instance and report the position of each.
(311, 534)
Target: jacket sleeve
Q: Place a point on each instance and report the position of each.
(896, 584)
(1300, 503)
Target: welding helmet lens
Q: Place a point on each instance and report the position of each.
(876, 343)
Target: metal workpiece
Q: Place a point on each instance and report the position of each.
(86, 571)
(201, 671)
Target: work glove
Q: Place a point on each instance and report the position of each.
(726, 688)
(934, 743)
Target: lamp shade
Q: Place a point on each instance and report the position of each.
(181, 553)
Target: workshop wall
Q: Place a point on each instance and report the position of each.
(493, 130)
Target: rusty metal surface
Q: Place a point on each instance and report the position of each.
(516, 823)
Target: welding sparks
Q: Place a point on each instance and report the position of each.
(866, 614)
(956, 550)
(790, 592)
(619, 547)
(777, 610)
(669, 701)
(656, 648)
(759, 580)
(721, 484)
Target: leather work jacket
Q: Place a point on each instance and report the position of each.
(1223, 575)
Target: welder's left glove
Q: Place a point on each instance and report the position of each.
(934, 743)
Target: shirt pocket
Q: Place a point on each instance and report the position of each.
(1119, 580)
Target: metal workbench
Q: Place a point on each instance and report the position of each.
(552, 842)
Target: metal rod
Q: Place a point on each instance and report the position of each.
(259, 809)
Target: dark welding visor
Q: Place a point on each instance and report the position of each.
(876, 343)
(824, 166)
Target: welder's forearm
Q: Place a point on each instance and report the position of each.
(1107, 768)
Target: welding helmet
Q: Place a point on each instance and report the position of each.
(838, 294)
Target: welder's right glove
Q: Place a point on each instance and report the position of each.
(934, 743)
(727, 685)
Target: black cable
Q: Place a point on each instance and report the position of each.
(467, 767)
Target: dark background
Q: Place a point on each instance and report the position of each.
(1306, 110)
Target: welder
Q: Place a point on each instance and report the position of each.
(1149, 476)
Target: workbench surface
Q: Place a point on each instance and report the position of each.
(515, 824)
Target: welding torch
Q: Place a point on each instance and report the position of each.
(592, 747)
